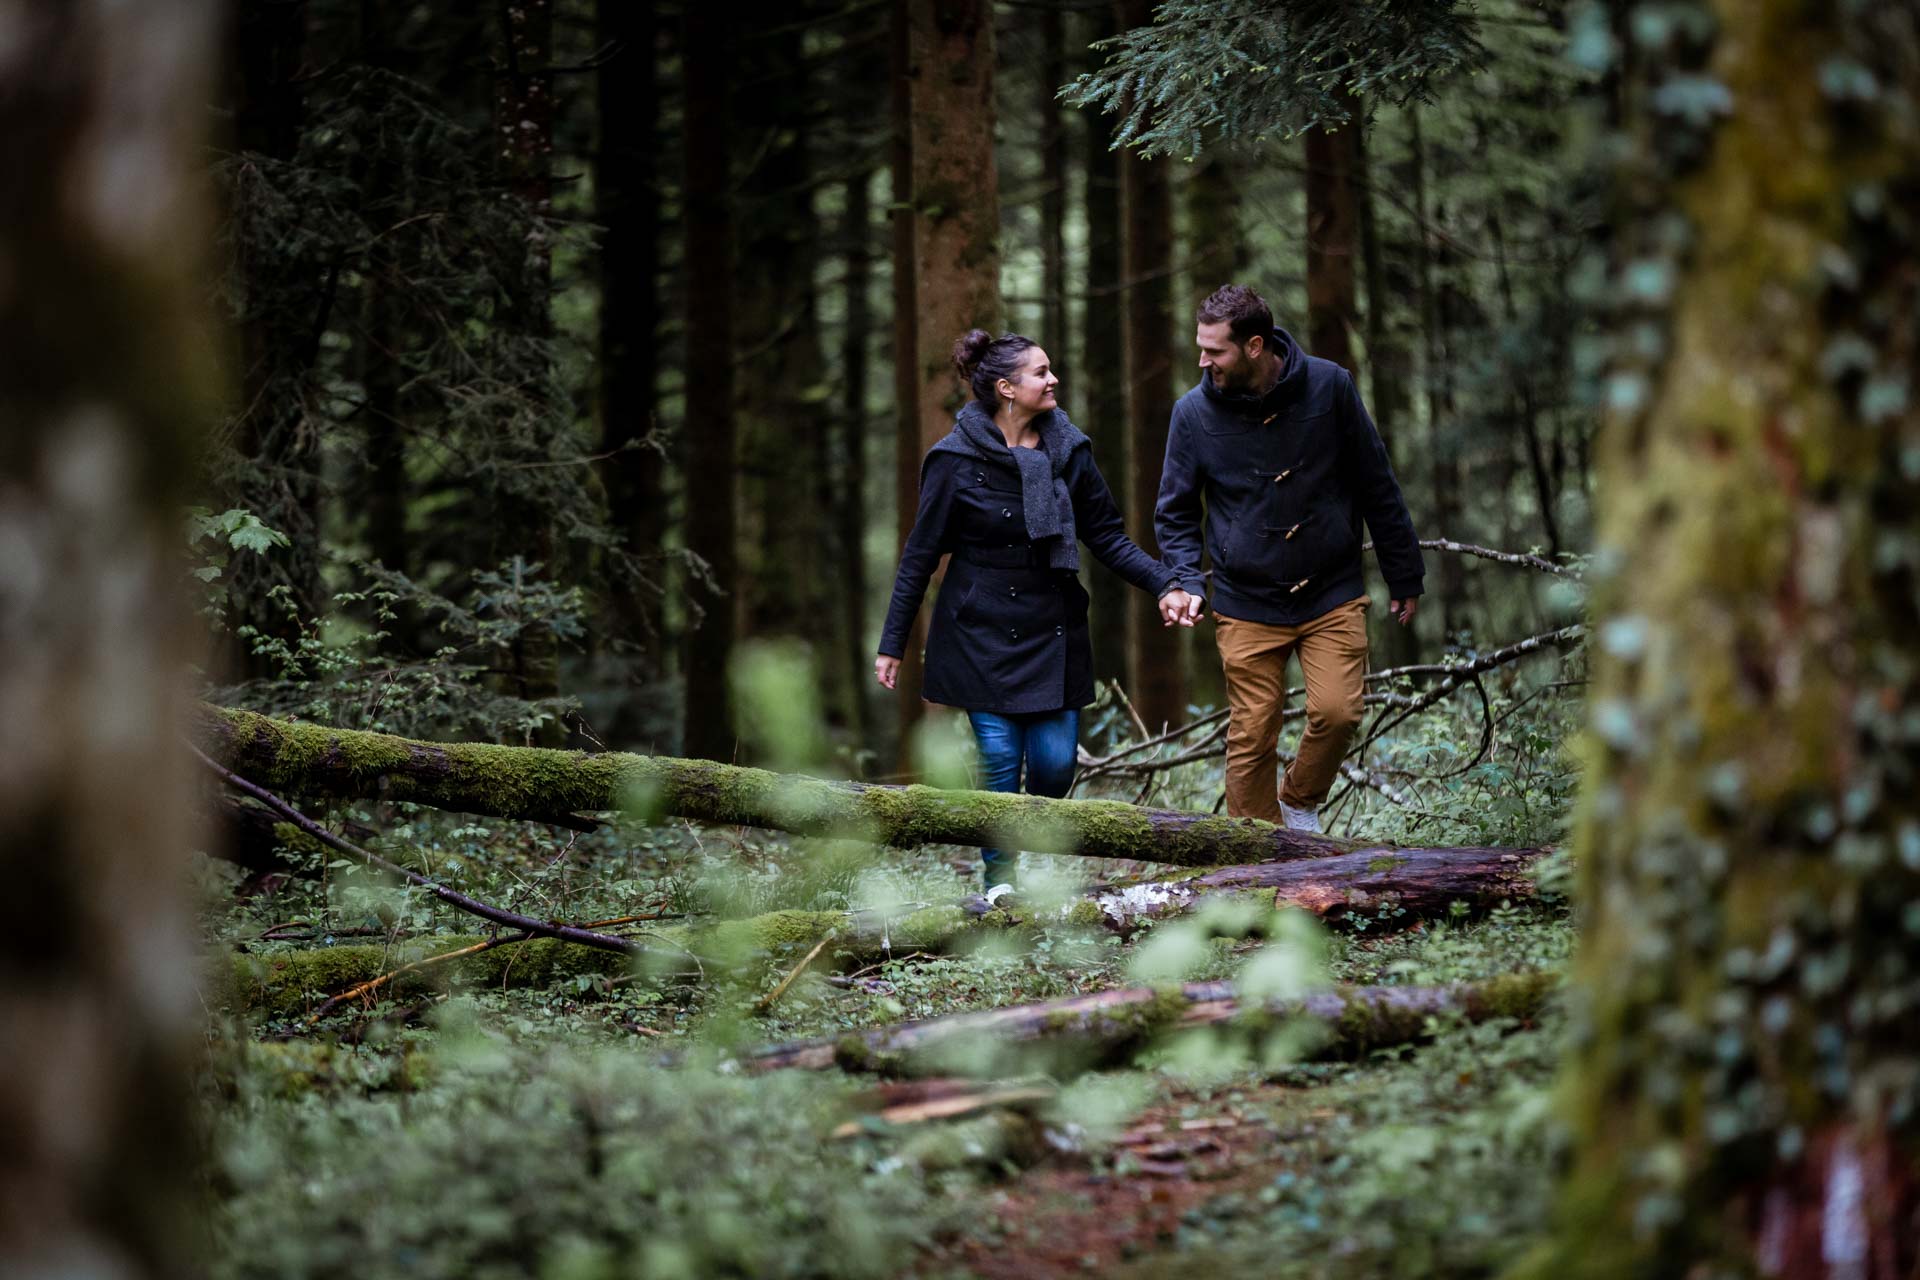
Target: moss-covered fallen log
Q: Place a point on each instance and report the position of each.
(1107, 1026)
(545, 785)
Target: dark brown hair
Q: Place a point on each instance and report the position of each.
(1244, 311)
(983, 360)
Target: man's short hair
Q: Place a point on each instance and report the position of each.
(1244, 311)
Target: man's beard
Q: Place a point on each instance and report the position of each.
(1244, 377)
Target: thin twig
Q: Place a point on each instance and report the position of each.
(374, 984)
(1524, 559)
(452, 897)
(765, 1002)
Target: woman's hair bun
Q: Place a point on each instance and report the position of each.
(969, 351)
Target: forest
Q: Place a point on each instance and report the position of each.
(568, 716)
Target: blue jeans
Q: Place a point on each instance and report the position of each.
(1045, 741)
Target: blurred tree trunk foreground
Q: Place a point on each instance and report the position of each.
(1744, 1081)
(107, 378)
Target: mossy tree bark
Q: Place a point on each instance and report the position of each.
(553, 786)
(1743, 1082)
(107, 380)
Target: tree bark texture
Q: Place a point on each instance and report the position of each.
(947, 94)
(544, 785)
(627, 100)
(1108, 1026)
(108, 379)
(707, 716)
(854, 429)
(1743, 1091)
(1156, 674)
(1333, 239)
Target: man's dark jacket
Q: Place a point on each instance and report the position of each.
(1009, 632)
(1286, 479)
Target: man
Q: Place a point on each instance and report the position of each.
(1277, 446)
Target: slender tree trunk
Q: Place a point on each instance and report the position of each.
(108, 381)
(1100, 391)
(708, 270)
(1442, 458)
(782, 431)
(956, 224)
(1155, 668)
(1053, 177)
(1389, 364)
(523, 128)
(906, 346)
(383, 326)
(850, 505)
(627, 101)
(1743, 1095)
(1333, 312)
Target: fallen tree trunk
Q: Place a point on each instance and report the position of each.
(551, 786)
(1106, 1026)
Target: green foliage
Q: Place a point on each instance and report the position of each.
(1252, 71)
(482, 1159)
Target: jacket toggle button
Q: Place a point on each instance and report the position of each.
(1295, 529)
(1269, 418)
(1283, 475)
(1296, 586)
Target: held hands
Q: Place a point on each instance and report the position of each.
(1177, 608)
(886, 670)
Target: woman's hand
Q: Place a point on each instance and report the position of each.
(886, 670)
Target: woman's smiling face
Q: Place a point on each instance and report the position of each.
(1033, 392)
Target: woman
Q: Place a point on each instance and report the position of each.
(1008, 492)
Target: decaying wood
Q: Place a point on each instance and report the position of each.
(1109, 1025)
(558, 786)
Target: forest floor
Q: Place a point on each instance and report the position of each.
(594, 1126)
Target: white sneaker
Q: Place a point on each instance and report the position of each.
(1300, 819)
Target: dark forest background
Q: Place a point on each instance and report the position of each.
(583, 344)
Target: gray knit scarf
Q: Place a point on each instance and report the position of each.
(1043, 484)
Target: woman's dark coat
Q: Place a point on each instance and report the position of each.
(1009, 634)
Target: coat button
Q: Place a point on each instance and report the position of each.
(1013, 591)
(1006, 512)
(1014, 632)
(980, 476)
(1059, 631)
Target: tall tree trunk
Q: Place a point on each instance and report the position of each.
(946, 91)
(108, 381)
(627, 189)
(1388, 363)
(708, 269)
(784, 455)
(1333, 312)
(382, 340)
(523, 131)
(1100, 391)
(1442, 455)
(850, 503)
(1744, 1099)
(1156, 673)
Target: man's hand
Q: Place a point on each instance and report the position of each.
(886, 670)
(1177, 608)
(1403, 610)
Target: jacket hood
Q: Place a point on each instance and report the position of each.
(1293, 380)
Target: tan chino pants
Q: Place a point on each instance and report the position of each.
(1333, 658)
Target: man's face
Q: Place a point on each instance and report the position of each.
(1231, 366)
